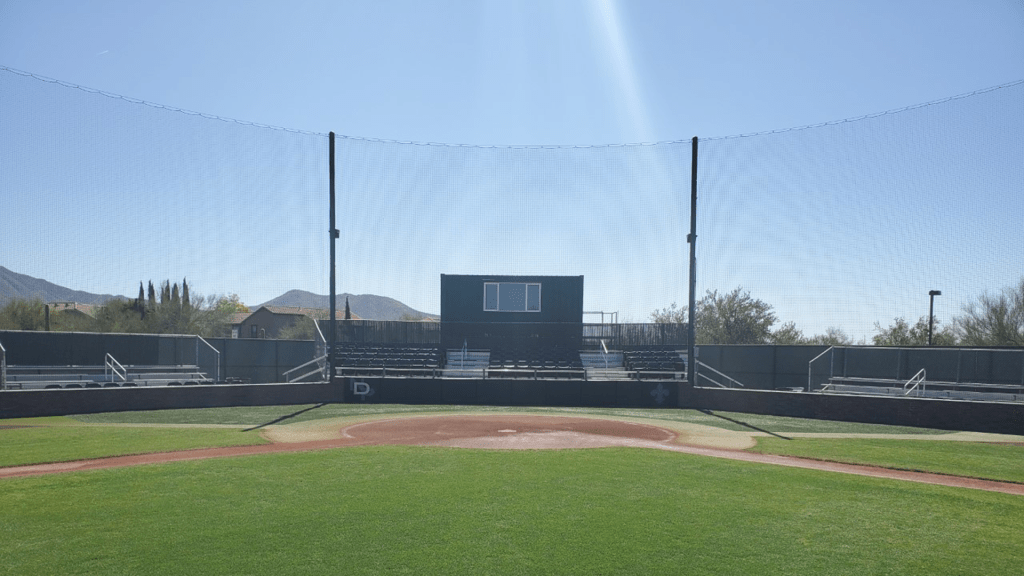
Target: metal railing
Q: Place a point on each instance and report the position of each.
(318, 370)
(216, 357)
(3, 367)
(111, 368)
(700, 374)
(810, 368)
(913, 383)
(321, 353)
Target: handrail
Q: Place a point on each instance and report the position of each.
(3, 367)
(316, 361)
(321, 351)
(110, 369)
(604, 349)
(216, 363)
(727, 377)
(917, 380)
(811, 364)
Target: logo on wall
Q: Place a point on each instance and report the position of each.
(362, 389)
(660, 394)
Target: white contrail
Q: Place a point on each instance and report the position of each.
(610, 28)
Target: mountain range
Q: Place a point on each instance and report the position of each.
(14, 286)
(366, 306)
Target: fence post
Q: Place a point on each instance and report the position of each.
(333, 232)
(692, 240)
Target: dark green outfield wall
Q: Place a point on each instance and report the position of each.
(1000, 418)
(927, 413)
(258, 361)
(32, 403)
(496, 392)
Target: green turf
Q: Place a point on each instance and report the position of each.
(36, 445)
(974, 459)
(257, 415)
(408, 510)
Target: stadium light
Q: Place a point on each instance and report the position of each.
(931, 312)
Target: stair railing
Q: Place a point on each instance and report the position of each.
(913, 383)
(317, 370)
(716, 382)
(321, 351)
(810, 367)
(111, 368)
(3, 367)
(216, 357)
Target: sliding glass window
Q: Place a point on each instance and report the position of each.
(511, 297)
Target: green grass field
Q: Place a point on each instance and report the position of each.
(403, 510)
(417, 510)
(38, 445)
(973, 459)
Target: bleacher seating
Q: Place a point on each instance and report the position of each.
(654, 360)
(979, 391)
(394, 359)
(53, 377)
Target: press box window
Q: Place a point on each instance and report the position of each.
(511, 297)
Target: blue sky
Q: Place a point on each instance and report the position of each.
(492, 74)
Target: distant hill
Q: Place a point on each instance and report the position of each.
(14, 286)
(366, 306)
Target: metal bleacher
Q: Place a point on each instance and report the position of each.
(387, 360)
(977, 391)
(69, 377)
(981, 375)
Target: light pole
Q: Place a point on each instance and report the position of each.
(931, 312)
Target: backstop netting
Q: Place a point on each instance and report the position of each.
(842, 225)
(852, 223)
(100, 193)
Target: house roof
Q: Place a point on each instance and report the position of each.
(315, 313)
(88, 309)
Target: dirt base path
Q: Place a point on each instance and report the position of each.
(511, 432)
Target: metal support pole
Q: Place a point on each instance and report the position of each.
(931, 312)
(334, 236)
(691, 238)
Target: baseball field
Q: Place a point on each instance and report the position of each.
(355, 489)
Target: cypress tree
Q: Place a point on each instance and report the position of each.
(152, 297)
(185, 304)
(348, 311)
(140, 302)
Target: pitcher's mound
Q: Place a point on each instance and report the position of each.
(506, 432)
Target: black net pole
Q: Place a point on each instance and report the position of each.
(691, 361)
(334, 236)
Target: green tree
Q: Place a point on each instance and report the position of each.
(185, 303)
(23, 315)
(120, 316)
(732, 318)
(833, 336)
(231, 304)
(302, 328)
(901, 333)
(787, 335)
(994, 319)
(669, 315)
